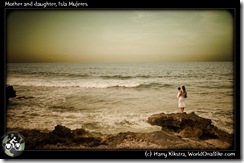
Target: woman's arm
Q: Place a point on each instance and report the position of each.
(179, 94)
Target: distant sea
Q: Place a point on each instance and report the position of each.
(117, 97)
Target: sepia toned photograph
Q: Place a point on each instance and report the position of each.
(121, 79)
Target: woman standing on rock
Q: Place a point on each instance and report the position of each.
(182, 94)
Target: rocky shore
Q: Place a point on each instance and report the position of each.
(179, 131)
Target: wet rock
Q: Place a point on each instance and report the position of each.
(62, 131)
(60, 138)
(79, 132)
(180, 131)
(34, 139)
(190, 126)
(190, 132)
(10, 92)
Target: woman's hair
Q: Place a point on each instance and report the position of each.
(178, 88)
(183, 88)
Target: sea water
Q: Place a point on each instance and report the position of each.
(117, 97)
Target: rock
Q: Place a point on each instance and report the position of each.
(126, 140)
(62, 131)
(66, 136)
(190, 132)
(180, 131)
(34, 139)
(10, 92)
(79, 132)
(212, 131)
(190, 126)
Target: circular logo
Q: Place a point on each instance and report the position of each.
(13, 144)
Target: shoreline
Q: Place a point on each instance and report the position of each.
(177, 133)
(107, 110)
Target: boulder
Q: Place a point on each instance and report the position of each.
(190, 126)
(10, 92)
(60, 137)
(190, 132)
(62, 131)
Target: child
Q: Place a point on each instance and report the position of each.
(179, 92)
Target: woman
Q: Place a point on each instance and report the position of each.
(182, 94)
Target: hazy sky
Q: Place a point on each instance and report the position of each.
(119, 35)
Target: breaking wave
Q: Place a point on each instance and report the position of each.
(95, 83)
(149, 85)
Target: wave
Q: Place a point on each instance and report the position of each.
(127, 77)
(83, 75)
(142, 86)
(78, 75)
(117, 77)
(89, 84)
(154, 85)
(115, 81)
(219, 86)
(24, 97)
(52, 74)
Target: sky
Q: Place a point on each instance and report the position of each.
(119, 36)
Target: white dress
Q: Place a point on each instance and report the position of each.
(181, 101)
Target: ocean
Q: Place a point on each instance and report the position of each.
(117, 97)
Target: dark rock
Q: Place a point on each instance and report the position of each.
(62, 131)
(82, 139)
(81, 136)
(190, 125)
(34, 139)
(190, 132)
(78, 132)
(61, 136)
(180, 131)
(10, 92)
(213, 131)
